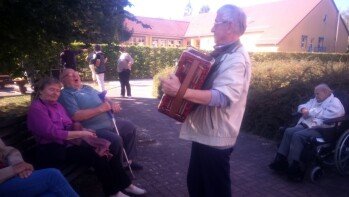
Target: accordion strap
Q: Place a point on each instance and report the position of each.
(184, 86)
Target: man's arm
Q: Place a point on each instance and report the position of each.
(171, 86)
(84, 114)
(304, 108)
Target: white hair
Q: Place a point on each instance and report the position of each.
(236, 15)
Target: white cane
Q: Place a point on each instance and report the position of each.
(123, 149)
(110, 113)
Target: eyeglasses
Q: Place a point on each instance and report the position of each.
(219, 22)
(71, 74)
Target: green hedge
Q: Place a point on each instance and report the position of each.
(278, 86)
(148, 61)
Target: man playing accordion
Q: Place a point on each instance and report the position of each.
(214, 125)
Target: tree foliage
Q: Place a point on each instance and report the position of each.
(188, 9)
(34, 31)
(204, 9)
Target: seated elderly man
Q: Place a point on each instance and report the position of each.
(314, 112)
(84, 105)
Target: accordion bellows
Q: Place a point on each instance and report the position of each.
(192, 70)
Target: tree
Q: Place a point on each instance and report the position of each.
(34, 31)
(204, 9)
(188, 9)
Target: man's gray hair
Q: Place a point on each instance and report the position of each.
(324, 87)
(236, 15)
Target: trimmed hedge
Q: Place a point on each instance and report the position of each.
(148, 61)
(279, 85)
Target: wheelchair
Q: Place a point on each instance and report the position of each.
(333, 148)
(322, 152)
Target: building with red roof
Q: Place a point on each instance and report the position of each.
(285, 26)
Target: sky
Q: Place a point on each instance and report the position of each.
(174, 9)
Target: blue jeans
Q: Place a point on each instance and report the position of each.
(46, 182)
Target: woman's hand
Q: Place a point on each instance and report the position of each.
(23, 169)
(80, 134)
(88, 134)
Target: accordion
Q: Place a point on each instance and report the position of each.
(192, 70)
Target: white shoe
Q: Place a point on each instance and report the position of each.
(119, 194)
(132, 189)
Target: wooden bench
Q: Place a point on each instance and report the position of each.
(5, 79)
(14, 132)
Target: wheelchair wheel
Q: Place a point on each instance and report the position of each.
(342, 154)
(316, 173)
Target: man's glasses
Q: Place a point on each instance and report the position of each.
(71, 74)
(219, 22)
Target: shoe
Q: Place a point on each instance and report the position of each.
(132, 189)
(280, 163)
(119, 194)
(134, 166)
(129, 96)
(295, 172)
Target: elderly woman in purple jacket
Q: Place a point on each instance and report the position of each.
(59, 142)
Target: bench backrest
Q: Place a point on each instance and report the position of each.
(14, 133)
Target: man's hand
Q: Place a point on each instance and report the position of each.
(23, 169)
(115, 107)
(107, 106)
(305, 112)
(104, 107)
(171, 85)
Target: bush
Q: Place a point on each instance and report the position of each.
(156, 82)
(278, 86)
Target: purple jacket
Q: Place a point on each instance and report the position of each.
(48, 122)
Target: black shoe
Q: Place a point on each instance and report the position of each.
(295, 172)
(280, 163)
(134, 166)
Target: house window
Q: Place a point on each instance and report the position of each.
(320, 44)
(304, 41)
(310, 47)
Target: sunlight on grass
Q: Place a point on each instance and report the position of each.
(14, 106)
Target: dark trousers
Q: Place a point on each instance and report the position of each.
(109, 171)
(127, 138)
(124, 77)
(209, 171)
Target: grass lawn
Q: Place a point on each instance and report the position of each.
(14, 106)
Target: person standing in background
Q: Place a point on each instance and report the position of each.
(91, 65)
(125, 63)
(68, 57)
(99, 60)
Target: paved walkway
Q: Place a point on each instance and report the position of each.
(165, 157)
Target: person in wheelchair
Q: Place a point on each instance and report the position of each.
(324, 106)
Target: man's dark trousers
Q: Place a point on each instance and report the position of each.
(209, 171)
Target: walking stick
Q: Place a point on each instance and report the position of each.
(110, 113)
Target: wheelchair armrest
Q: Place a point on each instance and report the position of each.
(336, 120)
(295, 114)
